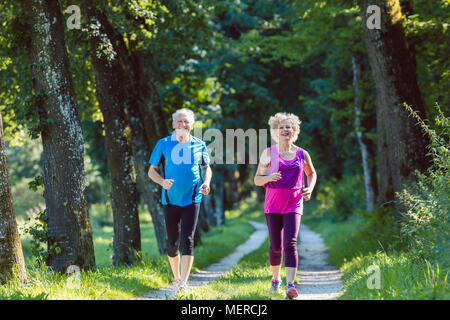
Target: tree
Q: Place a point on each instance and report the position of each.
(370, 182)
(158, 60)
(143, 112)
(393, 69)
(11, 255)
(69, 229)
(113, 99)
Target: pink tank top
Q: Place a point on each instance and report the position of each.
(285, 195)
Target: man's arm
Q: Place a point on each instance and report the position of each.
(205, 187)
(156, 177)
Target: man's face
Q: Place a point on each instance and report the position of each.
(182, 122)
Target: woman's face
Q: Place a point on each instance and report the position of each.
(285, 131)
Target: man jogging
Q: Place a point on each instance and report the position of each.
(181, 155)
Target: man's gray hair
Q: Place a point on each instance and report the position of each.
(189, 113)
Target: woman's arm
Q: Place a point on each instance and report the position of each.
(311, 176)
(261, 177)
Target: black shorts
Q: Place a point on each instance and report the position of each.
(180, 226)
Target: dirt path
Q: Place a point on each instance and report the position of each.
(317, 280)
(216, 270)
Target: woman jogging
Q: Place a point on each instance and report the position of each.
(281, 170)
(181, 154)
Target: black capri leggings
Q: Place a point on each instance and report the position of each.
(181, 220)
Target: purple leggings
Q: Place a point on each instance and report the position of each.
(283, 232)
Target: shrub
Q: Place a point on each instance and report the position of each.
(336, 202)
(101, 213)
(426, 225)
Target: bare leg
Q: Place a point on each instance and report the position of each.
(175, 265)
(186, 265)
(290, 274)
(276, 272)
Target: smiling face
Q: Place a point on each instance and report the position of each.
(284, 127)
(285, 131)
(182, 123)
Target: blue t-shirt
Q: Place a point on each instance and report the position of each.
(181, 163)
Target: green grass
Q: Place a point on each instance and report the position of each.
(401, 278)
(362, 246)
(353, 237)
(249, 279)
(127, 282)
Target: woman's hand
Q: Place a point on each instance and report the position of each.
(306, 193)
(167, 183)
(274, 176)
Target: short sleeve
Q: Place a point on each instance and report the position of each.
(157, 153)
(205, 155)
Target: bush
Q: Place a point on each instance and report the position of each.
(426, 221)
(25, 198)
(336, 202)
(101, 214)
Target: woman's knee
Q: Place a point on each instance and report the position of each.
(290, 246)
(276, 250)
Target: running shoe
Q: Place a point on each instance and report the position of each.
(182, 286)
(174, 284)
(275, 286)
(291, 292)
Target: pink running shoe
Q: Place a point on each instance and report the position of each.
(291, 292)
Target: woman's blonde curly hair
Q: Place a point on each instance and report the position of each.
(275, 120)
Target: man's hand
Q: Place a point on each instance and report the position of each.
(204, 188)
(167, 183)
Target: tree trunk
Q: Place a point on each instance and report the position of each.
(112, 97)
(243, 180)
(146, 121)
(369, 182)
(218, 217)
(68, 228)
(232, 194)
(396, 83)
(150, 107)
(385, 197)
(148, 127)
(407, 10)
(11, 254)
(209, 210)
(150, 190)
(203, 217)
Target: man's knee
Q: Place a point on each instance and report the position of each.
(188, 245)
(172, 250)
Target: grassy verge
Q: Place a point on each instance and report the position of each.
(249, 279)
(367, 250)
(127, 282)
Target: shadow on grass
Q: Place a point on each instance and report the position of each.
(122, 282)
(18, 295)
